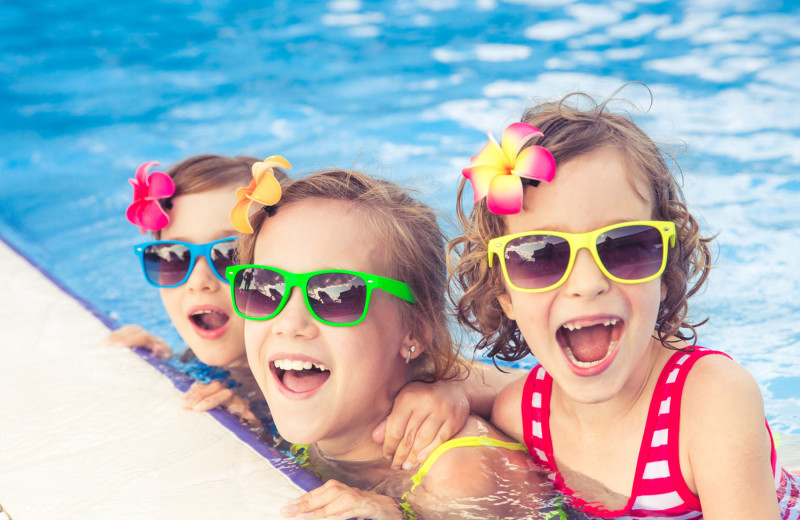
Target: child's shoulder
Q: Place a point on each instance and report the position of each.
(716, 378)
(507, 406)
(481, 463)
(720, 399)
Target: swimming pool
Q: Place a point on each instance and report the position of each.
(405, 90)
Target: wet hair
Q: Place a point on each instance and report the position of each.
(415, 254)
(571, 132)
(208, 172)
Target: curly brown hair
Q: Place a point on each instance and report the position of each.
(415, 247)
(568, 133)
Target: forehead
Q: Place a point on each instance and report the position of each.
(589, 191)
(320, 234)
(201, 217)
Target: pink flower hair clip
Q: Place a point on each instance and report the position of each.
(146, 210)
(498, 171)
(264, 189)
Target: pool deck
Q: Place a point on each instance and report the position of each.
(95, 432)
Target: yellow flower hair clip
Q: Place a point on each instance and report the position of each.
(264, 189)
(498, 171)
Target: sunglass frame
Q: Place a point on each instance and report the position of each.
(300, 280)
(578, 241)
(195, 250)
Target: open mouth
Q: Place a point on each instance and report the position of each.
(300, 376)
(588, 345)
(208, 319)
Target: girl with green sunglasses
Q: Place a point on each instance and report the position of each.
(342, 287)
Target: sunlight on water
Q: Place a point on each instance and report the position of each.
(405, 90)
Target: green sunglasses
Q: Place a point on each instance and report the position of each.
(333, 297)
(628, 252)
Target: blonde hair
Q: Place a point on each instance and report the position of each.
(569, 133)
(414, 250)
(206, 172)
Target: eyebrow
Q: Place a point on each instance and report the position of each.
(608, 223)
(215, 236)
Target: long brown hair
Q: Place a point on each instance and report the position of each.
(568, 133)
(415, 255)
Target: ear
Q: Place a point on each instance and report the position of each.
(505, 303)
(411, 341)
(663, 292)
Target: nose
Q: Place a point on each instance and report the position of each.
(294, 320)
(586, 279)
(202, 278)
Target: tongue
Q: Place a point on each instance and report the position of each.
(589, 343)
(304, 380)
(210, 320)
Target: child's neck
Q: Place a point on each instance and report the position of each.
(634, 396)
(368, 450)
(355, 441)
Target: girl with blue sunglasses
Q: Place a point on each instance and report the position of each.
(186, 210)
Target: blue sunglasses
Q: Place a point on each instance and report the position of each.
(169, 263)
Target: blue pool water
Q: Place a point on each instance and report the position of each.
(403, 89)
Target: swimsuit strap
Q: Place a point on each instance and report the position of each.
(460, 442)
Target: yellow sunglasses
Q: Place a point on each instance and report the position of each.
(628, 252)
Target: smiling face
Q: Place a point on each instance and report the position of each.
(593, 335)
(201, 308)
(324, 384)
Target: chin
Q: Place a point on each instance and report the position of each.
(294, 432)
(215, 356)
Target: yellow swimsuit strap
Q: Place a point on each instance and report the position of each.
(460, 442)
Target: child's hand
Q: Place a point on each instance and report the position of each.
(336, 501)
(130, 336)
(424, 416)
(202, 397)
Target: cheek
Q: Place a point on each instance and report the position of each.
(529, 307)
(171, 300)
(254, 334)
(646, 300)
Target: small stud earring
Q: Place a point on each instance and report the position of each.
(411, 350)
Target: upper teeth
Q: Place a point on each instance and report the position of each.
(575, 326)
(296, 364)
(206, 311)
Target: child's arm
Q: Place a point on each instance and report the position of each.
(725, 439)
(507, 410)
(129, 336)
(336, 500)
(425, 415)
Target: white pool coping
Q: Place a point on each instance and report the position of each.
(95, 432)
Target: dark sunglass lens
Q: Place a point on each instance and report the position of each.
(222, 256)
(166, 264)
(257, 293)
(631, 252)
(337, 297)
(536, 261)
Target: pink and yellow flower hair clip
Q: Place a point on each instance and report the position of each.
(264, 189)
(146, 210)
(497, 172)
